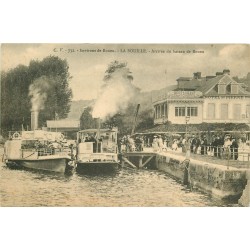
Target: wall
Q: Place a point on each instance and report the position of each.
(181, 119)
(215, 179)
(245, 198)
(230, 102)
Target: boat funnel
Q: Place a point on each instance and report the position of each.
(98, 127)
(34, 119)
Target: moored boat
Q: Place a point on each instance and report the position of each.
(36, 149)
(97, 150)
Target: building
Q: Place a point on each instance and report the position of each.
(210, 99)
(66, 126)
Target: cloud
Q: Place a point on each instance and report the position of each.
(239, 51)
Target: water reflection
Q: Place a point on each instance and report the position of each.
(124, 187)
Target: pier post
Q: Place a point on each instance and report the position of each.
(140, 161)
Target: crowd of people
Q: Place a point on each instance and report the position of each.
(218, 146)
(129, 144)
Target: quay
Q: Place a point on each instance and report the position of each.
(222, 179)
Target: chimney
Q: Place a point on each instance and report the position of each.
(226, 72)
(34, 119)
(198, 75)
(195, 75)
(209, 77)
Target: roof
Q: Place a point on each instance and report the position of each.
(63, 123)
(209, 84)
(94, 130)
(184, 78)
(207, 88)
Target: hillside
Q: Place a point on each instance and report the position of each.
(77, 108)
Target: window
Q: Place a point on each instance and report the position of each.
(224, 111)
(248, 111)
(211, 111)
(234, 89)
(192, 111)
(221, 89)
(180, 111)
(237, 111)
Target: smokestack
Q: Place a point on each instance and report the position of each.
(98, 128)
(34, 119)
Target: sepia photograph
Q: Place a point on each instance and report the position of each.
(125, 125)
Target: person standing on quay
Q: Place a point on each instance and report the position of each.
(193, 143)
(155, 144)
(234, 149)
(204, 145)
(160, 143)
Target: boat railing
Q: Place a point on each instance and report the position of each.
(15, 134)
(25, 153)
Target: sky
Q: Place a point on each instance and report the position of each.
(151, 70)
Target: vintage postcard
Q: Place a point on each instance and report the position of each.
(125, 125)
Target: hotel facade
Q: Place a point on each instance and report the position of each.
(210, 99)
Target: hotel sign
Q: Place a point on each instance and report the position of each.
(177, 95)
(184, 94)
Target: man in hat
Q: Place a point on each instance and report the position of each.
(204, 145)
(193, 143)
(234, 149)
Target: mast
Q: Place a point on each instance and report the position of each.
(135, 119)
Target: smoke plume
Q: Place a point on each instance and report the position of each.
(38, 93)
(114, 96)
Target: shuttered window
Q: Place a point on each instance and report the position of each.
(211, 111)
(237, 111)
(224, 111)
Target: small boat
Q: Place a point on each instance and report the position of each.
(97, 150)
(36, 149)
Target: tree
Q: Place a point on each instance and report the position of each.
(117, 91)
(86, 119)
(145, 120)
(59, 94)
(15, 99)
(116, 66)
(15, 106)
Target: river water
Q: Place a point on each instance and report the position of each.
(126, 187)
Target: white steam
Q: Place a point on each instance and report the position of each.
(114, 96)
(38, 93)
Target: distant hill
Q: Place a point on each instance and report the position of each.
(144, 98)
(77, 108)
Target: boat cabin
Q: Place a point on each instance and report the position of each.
(97, 141)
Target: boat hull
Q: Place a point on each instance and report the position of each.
(55, 165)
(96, 167)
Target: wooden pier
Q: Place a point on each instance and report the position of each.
(139, 160)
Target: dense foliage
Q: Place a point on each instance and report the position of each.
(86, 119)
(15, 99)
